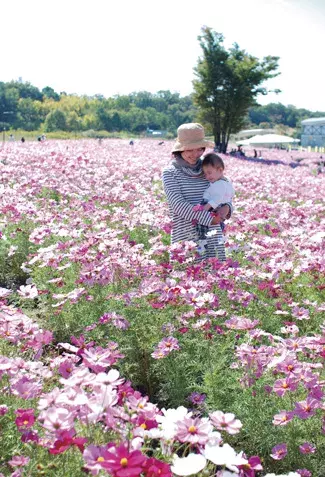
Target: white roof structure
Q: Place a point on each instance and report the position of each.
(268, 140)
(253, 132)
(313, 121)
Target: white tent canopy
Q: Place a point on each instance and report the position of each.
(267, 140)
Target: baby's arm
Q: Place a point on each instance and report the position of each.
(214, 195)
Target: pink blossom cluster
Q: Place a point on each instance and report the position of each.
(19, 329)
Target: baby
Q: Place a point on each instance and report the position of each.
(219, 192)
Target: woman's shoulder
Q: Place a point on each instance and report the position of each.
(170, 171)
(169, 168)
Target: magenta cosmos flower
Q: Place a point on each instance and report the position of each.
(154, 468)
(307, 448)
(197, 398)
(253, 464)
(25, 419)
(279, 451)
(122, 463)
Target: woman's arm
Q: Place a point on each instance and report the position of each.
(180, 206)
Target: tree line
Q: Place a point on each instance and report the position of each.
(23, 106)
(226, 87)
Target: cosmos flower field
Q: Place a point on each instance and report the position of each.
(123, 356)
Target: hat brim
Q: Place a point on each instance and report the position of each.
(180, 147)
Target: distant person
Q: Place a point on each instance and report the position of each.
(22, 139)
(131, 143)
(11, 138)
(321, 167)
(161, 143)
(255, 154)
(39, 138)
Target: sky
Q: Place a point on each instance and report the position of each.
(112, 47)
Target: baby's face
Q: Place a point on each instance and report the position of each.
(212, 174)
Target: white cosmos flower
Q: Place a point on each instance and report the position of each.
(224, 455)
(190, 465)
(168, 421)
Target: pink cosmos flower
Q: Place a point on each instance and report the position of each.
(19, 461)
(283, 418)
(168, 344)
(66, 368)
(94, 456)
(279, 451)
(300, 313)
(305, 409)
(240, 323)
(193, 430)
(57, 419)
(165, 346)
(98, 358)
(304, 472)
(281, 386)
(28, 291)
(307, 448)
(121, 323)
(225, 422)
(117, 320)
(26, 388)
(81, 343)
(120, 462)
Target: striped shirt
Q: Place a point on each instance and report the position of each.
(183, 192)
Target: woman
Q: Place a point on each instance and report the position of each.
(184, 185)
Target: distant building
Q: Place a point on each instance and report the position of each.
(313, 132)
(153, 133)
(246, 133)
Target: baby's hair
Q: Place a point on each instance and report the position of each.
(213, 160)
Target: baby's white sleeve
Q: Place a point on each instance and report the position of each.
(214, 194)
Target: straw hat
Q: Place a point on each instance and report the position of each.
(191, 136)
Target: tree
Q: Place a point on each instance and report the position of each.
(55, 121)
(29, 115)
(49, 92)
(227, 84)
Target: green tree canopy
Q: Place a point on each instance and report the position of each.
(226, 85)
(49, 92)
(55, 121)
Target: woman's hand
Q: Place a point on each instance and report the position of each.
(216, 220)
(221, 215)
(223, 211)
